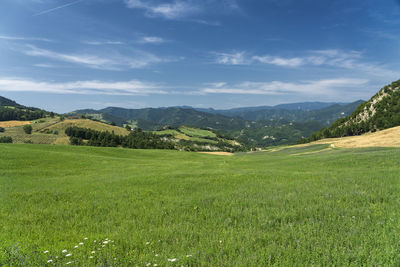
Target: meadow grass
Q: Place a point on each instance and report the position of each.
(171, 208)
(193, 132)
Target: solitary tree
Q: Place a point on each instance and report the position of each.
(28, 129)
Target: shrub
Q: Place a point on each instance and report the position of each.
(2, 130)
(28, 129)
(6, 139)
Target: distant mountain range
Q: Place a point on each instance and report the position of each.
(253, 126)
(258, 126)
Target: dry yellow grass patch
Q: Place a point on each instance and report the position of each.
(6, 124)
(385, 138)
(218, 153)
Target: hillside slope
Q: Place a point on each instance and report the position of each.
(11, 110)
(385, 138)
(382, 111)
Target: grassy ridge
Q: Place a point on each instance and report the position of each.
(337, 206)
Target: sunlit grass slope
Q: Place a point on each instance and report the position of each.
(169, 208)
(52, 130)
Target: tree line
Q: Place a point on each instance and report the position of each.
(9, 114)
(137, 139)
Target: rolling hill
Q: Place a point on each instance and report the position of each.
(11, 110)
(258, 126)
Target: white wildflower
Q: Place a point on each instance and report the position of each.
(85, 238)
(103, 246)
(172, 260)
(68, 255)
(147, 243)
(90, 257)
(69, 262)
(46, 251)
(50, 261)
(187, 256)
(105, 242)
(64, 251)
(148, 264)
(76, 247)
(156, 255)
(93, 252)
(80, 243)
(155, 264)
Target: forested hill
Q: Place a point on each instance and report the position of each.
(8, 102)
(323, 113)
(382, 111)
(277, 128)
(11, 110)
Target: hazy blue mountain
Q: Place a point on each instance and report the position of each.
(324, 113)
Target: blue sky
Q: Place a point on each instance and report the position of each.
(63, 55)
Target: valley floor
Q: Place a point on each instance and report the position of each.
(312, 205)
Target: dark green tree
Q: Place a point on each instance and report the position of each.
(28, 129)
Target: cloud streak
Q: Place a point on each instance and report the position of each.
(173, 11)
(152, 40)
(19, 38)
(110, 62)
(56, 8)
(133, 87)
(319, 87)
(327, 87)
(102, 42)
(332, 58)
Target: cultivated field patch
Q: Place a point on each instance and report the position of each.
(6, 124)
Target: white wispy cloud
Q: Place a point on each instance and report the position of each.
(103, 42)
(141, 59)
(152, 40)
(352, 60)
(236, 58)
(319, 87)
(133, 87)
(174, 10)
(44, 65)
(20, 38)
(56, 8)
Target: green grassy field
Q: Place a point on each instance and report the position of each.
(170, 208)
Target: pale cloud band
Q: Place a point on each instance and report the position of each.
(133, 87)
(141, 59)
(320, 87)
(174, 10)
(329, 58)
(331, 87)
